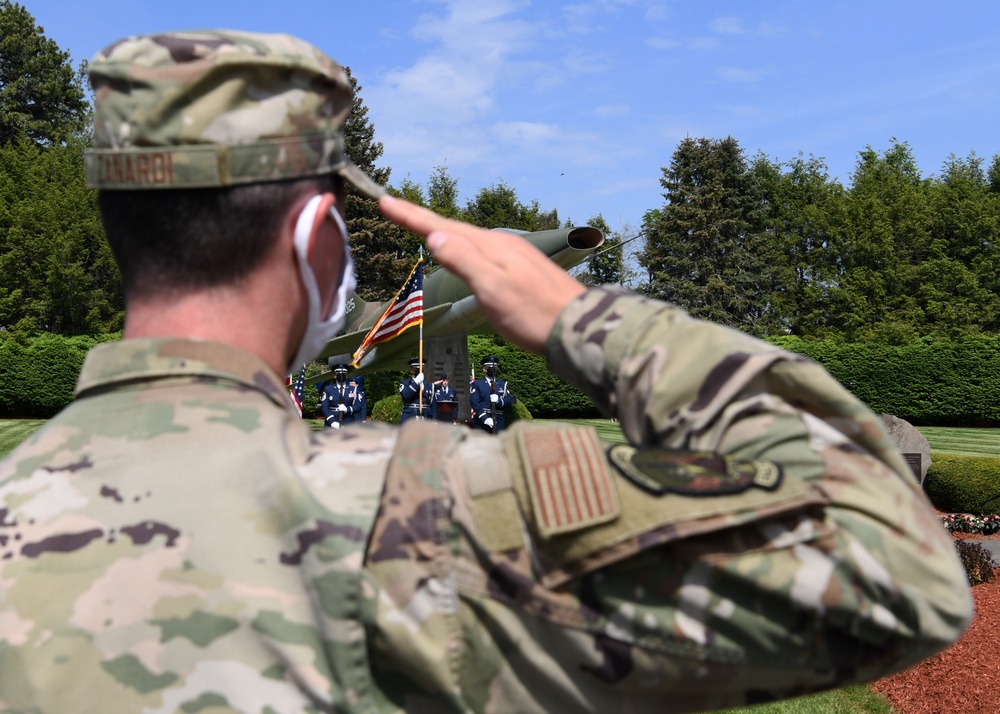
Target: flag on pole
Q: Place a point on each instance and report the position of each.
(296, 393)
(403, 312)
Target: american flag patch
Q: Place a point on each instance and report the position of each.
(568, 478)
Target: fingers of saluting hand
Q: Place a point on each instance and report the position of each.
(519, 290)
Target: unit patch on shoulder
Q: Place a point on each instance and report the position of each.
(692, 473)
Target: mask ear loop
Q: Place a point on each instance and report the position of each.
(310, 220)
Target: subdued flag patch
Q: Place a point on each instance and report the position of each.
(570, 484)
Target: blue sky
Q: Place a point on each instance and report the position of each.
(579, 105)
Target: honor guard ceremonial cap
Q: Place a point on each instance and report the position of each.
(213, 108)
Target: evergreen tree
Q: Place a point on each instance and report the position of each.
(887, 233)
(41, 96)
(958, 267)
(59, 274)
(707, 251)
(804, 224)
(383, 253)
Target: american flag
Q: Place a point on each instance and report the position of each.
(296, 393)
(405, 311)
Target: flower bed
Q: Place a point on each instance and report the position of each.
(967, 523)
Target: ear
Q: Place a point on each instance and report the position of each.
(322, 213)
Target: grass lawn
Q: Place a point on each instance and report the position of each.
(967, 442)
(850, 700)
(14, 431)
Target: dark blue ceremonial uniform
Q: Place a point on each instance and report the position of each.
(361, 405)
(409, 390)
(334, 394)
(479, 399)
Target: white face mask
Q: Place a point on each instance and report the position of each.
(321, 328)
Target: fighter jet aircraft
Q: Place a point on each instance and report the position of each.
(450, 311)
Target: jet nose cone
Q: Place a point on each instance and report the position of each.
(585, 238)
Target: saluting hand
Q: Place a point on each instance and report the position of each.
(520, 291)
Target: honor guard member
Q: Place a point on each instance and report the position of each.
(443, 394)
(361, 408)
(416, 393)
(340, 402)
(177, 539)
(488, 397)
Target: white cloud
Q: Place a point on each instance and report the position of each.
(607, 111)
(456, 80)
(657, 11)
(703, 43)
(525, 132)
(664, 43)
(728, 26)
(742, 74)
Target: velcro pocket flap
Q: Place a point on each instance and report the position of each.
(591, 505)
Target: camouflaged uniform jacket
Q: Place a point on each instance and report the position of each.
(178, 540)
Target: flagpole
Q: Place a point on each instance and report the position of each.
(420, 356)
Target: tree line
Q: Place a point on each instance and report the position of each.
(779, 248)
(772, 248)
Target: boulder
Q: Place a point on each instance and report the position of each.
(909, 441)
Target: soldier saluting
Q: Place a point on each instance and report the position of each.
(446, 396)
(488, 397)
(178, 538)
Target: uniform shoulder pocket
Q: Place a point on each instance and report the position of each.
(588, 504)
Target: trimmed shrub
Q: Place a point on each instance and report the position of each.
(38, 374)
(390, 409)
(964, 484)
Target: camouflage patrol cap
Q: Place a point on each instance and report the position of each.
(216, 108)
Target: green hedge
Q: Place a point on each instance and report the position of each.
(927, 382)
(544, 395)
(38, 375)
(390, 409)
(964, 484)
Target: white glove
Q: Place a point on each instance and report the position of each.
(419, 379)
(494, 398)
(488, 422)
(335, 425)
(342, 408)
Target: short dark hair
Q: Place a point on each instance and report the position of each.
(178, 240)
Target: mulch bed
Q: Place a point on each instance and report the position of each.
(963, 679)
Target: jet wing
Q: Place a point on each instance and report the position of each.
(349, 342)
